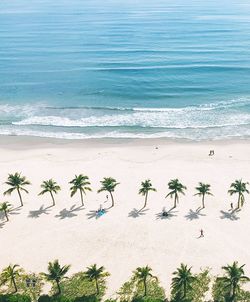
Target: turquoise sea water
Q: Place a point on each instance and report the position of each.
(123, 68)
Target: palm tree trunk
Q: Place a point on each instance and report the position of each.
(233, 293)
(53, 199)
(175, 200)
(20, 197)
(184, 290)
(81, 197)
(203, 201)
(14, 283)
(239, 201)
(112, 199)
(58, 288)
(146, 199)
(97, 286)
(145, 287)
(5, 213)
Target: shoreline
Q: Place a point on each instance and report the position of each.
(8, 141)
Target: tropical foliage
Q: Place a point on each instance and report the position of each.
(80, 183)
(30, 284)
(203, 190)
(15, 298)
(16, 182)
(200, 286)
(56, 273)
(96, 274)
(238, 187)
(109, 184)
(50, 186)
(182, 282)
(5, 208)
(232, 281)
(134, 289)
(176, 188)
(143, 274)
(10, 275)
(79, 285)
(146, 187)
(143, 286)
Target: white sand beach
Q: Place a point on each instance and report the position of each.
(121, 240)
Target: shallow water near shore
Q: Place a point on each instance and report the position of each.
(125, 69)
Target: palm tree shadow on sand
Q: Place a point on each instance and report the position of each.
(15, 211)
(229, 215)
(2, 216)
(193, 215)
(166, 215)
(39, 212)
(2, 220)
(69, 213)
(137, 213)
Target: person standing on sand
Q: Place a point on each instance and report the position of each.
(202, 233)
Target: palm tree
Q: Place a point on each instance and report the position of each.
(239, 187)
(146, 186)
(56, 273)
(234, 277)
(5, 207)
(10, 273)
(183, 280)
(203, 189)
(175, 188)
(96, 274)
(50, 186)
(81, 183)
(108, 184)
(142, 274)
(16, 182)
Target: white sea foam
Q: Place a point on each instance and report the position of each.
(147, 119)
(213, 135)
(191, 121)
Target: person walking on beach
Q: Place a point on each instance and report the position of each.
(202, 233)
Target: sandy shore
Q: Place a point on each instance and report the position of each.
(120, 240)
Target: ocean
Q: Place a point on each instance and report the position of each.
(78, 69)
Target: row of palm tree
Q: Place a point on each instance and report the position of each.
(182, 281)
(81, 183)
(56, 274)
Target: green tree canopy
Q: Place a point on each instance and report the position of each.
(80, 183)
(108, 184)
(56, 273)
(203, 190)
(97, 274)
(146, 187)
(239, 187)
(176, 188)
(50, 186)
(16, 182)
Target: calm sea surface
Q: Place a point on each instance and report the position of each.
(123, 68)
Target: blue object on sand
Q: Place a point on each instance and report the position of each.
(100, 212)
